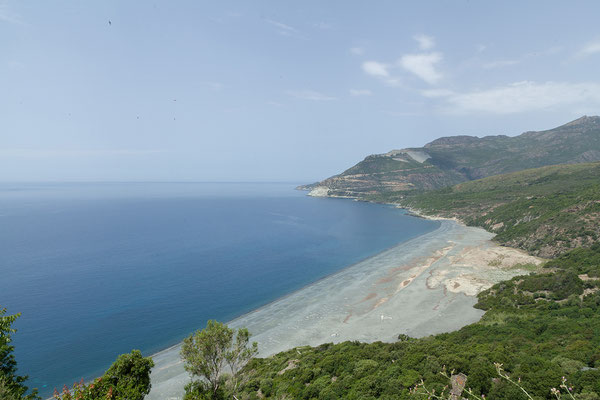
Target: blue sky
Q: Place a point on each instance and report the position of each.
(277, 90)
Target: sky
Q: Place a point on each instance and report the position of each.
(118, 90)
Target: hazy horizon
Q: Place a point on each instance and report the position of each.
(271, 92)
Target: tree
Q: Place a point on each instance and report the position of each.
(239, 355)
(9, 380)
(128, 378)
(209, 351)
(6, 393)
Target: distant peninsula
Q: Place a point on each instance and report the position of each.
(455, 159)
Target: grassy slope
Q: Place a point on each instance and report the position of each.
(545, 211)
(577, 141)
(462, 158)
(541, 327)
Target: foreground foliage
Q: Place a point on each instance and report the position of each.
(216, 355)
(12, 385)
(128, 378)
(540, 327)
(543, 329)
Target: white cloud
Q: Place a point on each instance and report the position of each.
(425, 42)
(310, 95)
(357, 51)
(422, 65)
(524, 97)
(283, 29)
(360, 92)
(589, 49)
(375, 68)
(381, 71)
(281, 25)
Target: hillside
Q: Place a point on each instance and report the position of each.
(451, 160)
(541, 327)
(545, 211)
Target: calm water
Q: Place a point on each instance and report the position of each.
(99, 269)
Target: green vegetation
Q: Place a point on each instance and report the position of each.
(127, 379)
(581, 261)
(538, 331)
(545, 211)
(208, 353)
(458, 159)
(540, 327)
(383, 173)
(12, 386)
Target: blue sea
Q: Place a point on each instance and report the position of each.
(99, 269)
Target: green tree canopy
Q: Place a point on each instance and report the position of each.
(209, 352)
(11, 384)
(128, 378)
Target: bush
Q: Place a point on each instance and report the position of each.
(128, 378)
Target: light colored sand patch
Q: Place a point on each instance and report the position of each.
(422, 287)
(417, 271)
(495, 256)
(436, 277)
(319, 191)
(478, 267)
(291, 365)
(380, 302)
(585, 277)
(467, 284)
(419, 156)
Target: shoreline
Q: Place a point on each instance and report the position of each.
(174, 348)
(331, 275)
(420, 287)
(170, 351)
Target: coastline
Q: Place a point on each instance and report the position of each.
(424, 286)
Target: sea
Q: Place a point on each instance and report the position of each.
(99, 269)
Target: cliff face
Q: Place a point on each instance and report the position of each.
(450, 160)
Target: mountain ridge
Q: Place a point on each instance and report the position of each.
(450, 160)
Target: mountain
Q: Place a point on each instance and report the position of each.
(541, 329)
(545, 211)
(450, 160)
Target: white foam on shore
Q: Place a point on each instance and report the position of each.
(401, 290)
